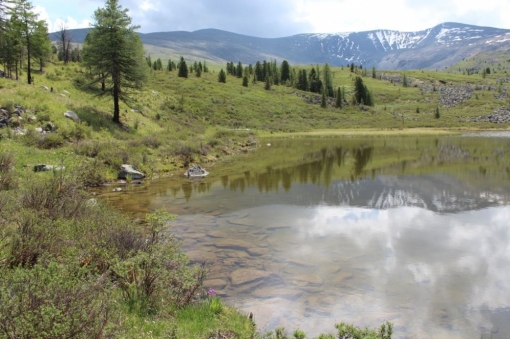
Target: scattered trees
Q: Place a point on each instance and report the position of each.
(115, 53)
(361, 93)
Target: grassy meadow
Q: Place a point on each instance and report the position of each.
(131, 278)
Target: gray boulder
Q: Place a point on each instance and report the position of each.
(130, 171)
(72, 115)
(196, 171)
(46, 168)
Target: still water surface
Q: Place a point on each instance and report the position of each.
(306, 233)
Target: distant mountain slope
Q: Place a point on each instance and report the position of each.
(433, 48)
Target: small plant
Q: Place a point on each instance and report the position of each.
(215, 303)
(438, 114)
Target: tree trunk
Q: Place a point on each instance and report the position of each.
(116, 95)
(29, 73)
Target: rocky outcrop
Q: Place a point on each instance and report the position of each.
(499, 116)
(454, 95)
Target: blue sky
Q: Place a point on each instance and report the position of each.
(275, 18)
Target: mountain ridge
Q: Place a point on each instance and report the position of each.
(432, 48)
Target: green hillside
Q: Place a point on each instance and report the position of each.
(172, 123)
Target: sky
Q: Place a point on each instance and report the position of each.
(279, 18)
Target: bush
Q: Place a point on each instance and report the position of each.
(51, 140)
(158, 271)
(52, 302)
(7, 178)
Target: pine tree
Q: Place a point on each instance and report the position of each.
(183, 68)
(339, 98)
(437, 115)
(324, 103)
(327, 77)
(239, 70)
(404, 81)
(25, 24)
(222, 76)
(360, 93)
(198, 71)
(114, 50)
(374, 75)
(245, 81)
(267, 86)
(285, 71)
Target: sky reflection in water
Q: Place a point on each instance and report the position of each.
(414, 231)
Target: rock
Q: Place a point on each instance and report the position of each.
(45, 168)
(91, 202)
(73, 116)
(31, 118)
(66, 92)
(217, 284)
(217, 234)
(45, 88)
(246, 275)
(256, 251)
(309, 279)
(50, 127)
(202, 256)
(118, 189)
(129, 171)
(234, 244)
(271, 292)
(39, 129)
(19, 131)
(196, 171)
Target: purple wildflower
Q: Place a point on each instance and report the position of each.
(211, 292)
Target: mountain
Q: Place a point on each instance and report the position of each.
(433, 48)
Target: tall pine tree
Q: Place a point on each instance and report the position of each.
(114, 51)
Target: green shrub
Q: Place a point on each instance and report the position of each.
(7, 178)
(53, 302)
(51, 140)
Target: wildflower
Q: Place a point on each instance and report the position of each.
(211, 292)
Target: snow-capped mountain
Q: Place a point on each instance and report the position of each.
(433, 48)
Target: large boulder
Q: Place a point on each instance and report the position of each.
(129, 171)
(72, 115)
(196, 171)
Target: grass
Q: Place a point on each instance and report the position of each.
(171, 124)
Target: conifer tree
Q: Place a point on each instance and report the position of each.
(245, 81)
(267, 86)
(183, 68)
(239, 70)
(327, 77)
(285, 71)
(323, 99)
(404, 81)
(222, 76)
(339, 98)
(115, 52)
(25, 23)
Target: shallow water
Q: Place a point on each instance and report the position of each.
(309, 232)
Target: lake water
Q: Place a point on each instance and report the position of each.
(306, 233)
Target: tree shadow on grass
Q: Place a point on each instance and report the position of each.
(101, 121)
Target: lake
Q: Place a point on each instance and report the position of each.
(306, 233)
